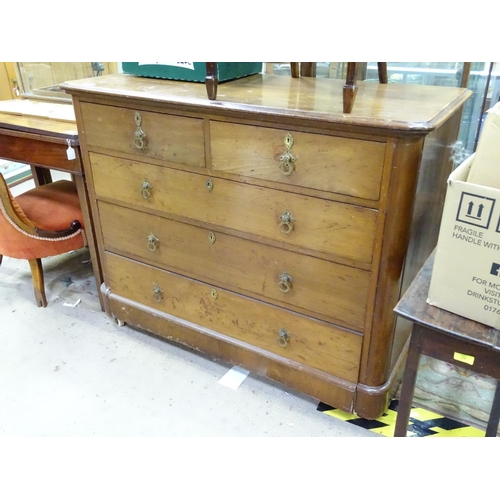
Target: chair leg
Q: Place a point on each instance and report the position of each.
(294, 69)
(350, 87)
(211, 80)
(382, 72)
(38, 285)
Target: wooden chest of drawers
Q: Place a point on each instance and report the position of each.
(267, 228)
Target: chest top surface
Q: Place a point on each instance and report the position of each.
(409, 109)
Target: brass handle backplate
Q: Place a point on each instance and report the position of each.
(287, 221)
(287, 159)
(209, 184)
(153, 242)
(157, 293)
(211, 237)
(146, 188)
(285, 282)
(283, 338)
(139, 134)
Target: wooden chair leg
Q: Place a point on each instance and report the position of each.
(382, 72)
(350, 87)
(294, 69)
(211, 80)
(308, 69)
(38, 284)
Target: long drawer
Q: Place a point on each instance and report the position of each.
(315, 343)
(351, 167)
(314, 286)
(333, 228)
(176, 139)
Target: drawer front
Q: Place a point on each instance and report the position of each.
(171, 138)
(350, 167)
(338, 293)
(333, 228)
(311, 342)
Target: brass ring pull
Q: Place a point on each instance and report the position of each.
(287, 159)
(283, 338)
(285, 283)
(139, 138)
(157, 293)
(139, 135)
(152, 242)
(287, 220)
(146, 188)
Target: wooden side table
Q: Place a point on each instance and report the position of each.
(448, 337)
(39, 134)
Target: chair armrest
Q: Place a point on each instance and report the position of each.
(73, 228)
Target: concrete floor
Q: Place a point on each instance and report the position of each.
(72, 371)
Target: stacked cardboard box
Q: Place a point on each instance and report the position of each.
(466, 274)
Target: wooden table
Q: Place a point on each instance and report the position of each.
(448, 337)
(39, 134)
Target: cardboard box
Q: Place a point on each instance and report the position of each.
(466, 274)
(191, 71)
(485, 169)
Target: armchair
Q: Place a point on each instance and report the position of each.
(42, 222)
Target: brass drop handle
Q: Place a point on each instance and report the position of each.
(287, 159)
(139, 138)
(139, 134)
(157, 293)
(153, 242)
(285, 282)
(146, 188)
(287, 221)
(283, 338)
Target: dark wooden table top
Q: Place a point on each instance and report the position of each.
(413, 306)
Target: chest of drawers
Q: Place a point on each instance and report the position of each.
(267, 228)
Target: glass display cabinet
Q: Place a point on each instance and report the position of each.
(41, 80)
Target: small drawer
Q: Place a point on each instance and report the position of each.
(315, 343)
(313, 286)
(346, 166)
(328, 227)
(170, 138)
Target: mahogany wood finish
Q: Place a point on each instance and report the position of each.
(440, 334)
(212, 218)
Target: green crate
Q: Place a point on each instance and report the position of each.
(192, 72)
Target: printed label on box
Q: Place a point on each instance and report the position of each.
(185, 65)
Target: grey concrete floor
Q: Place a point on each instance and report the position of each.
(72, 371)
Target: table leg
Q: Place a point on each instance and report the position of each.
(41, 176)
(408, 384)
(492, 429)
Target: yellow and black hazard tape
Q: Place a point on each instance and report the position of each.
(423, 423)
